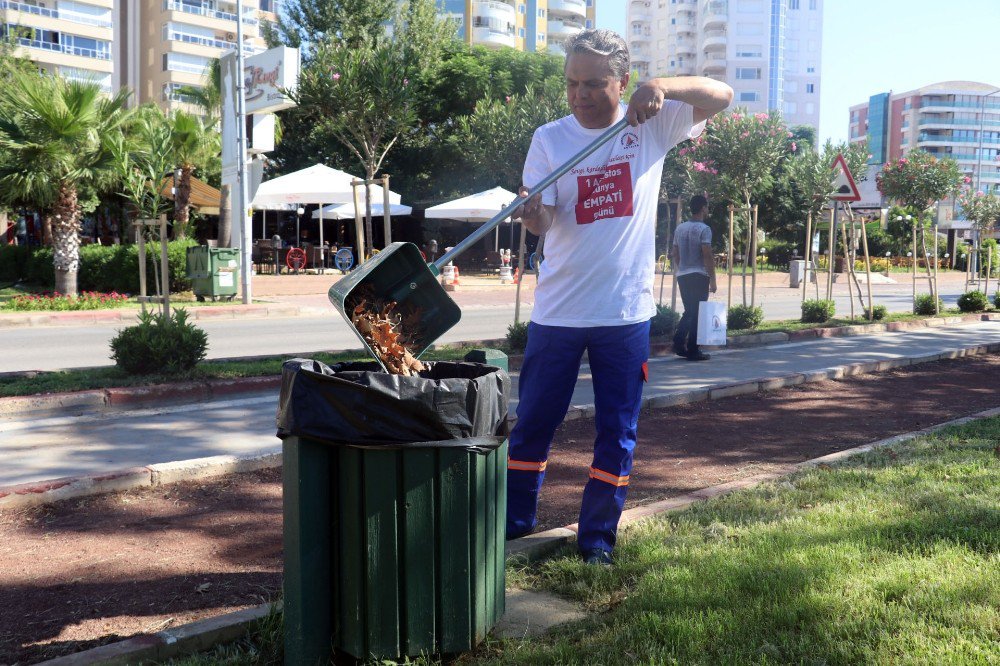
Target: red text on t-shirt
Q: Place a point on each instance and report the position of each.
(603, 195)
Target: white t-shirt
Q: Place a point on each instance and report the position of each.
(689, 237)
(600, 251)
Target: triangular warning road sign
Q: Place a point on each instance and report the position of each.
(844, 187)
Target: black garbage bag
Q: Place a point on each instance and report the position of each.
(449, 404)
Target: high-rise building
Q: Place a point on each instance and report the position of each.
(153, 47)
(767, 50)
(526, 25)
(73, 39)
(959, 120)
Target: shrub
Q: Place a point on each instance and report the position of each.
(745, 317)
(12, 260)
(664, 322)
(159, 345)
(972, 301)
(879, 312)
(818, 311)
(996, 300)
(778, 253)
(925, 305)
(517, 336)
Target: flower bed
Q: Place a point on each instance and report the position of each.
(86, 300)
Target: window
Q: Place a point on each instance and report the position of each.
(541, 13)
(791, 86)
(812, 4)
(541, 36)
(673, 63)
(749, 97)
(673, 21)
(749, 28)
(793, 4)
(810, 108)
(522, 9)
(810, 88)
(811, 69)
(751, 6)
(520, 32)
(749, 51)
(590, 24)
(748, 73)
(790, 108)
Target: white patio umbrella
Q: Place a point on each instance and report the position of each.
(346, 211)
(477, 207)
(318, 184)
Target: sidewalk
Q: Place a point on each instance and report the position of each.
(143, 447)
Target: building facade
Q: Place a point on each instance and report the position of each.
(153, 47)
(767, 50)
(526, 25)
(959, 120)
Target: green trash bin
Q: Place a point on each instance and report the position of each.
(392, 549)
(213, 271)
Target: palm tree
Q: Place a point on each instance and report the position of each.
(56, 140)
(208, 96)
(193, 145)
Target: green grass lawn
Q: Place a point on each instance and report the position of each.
(892, 557)
(789, 325)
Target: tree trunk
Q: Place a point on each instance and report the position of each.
(47, 229)
(66, 240)
(368, 214)
(182, 198)
(225, 216)
(4, 225)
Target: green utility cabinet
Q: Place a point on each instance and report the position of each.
(213, 271)
(391, 552)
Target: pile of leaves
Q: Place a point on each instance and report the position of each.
(388, 331)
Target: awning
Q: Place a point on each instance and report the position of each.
(318, 184)
(204, 197)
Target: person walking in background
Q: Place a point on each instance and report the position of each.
(694, 270)
(590, 299)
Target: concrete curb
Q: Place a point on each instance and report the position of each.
(46, 492)
(128, 317)
(169, 643)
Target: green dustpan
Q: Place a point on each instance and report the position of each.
(398, 272)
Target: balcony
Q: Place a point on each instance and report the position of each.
(493, 24)
(942, 140)
(225, 45)
(64, 15)
(641, 56)
(64, 48)
(944, 105)
(945, 123)
(561, 31)
(640, 9)
(686, 27)
(716, 14)
(638, 36)
(490, 37)
(249, 16)
(714, 65)
(573, 9)
(684, 70)
(714, 40)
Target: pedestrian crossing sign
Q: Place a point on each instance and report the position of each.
(844, 187)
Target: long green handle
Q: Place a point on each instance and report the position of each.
(545, 182)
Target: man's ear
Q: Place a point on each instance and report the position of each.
(624, 82)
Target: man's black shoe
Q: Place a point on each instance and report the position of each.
(680, 351)
(698, 356)
(597, 556)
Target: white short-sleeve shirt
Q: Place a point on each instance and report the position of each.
(600, 251)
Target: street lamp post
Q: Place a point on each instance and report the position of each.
(298, 218)
(888, 262)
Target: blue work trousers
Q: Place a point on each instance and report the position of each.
(617, 357)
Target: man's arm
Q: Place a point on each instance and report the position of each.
(709, 260)
(706, 95)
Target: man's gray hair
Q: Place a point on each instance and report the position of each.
(607, 43)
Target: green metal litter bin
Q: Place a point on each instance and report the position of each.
(392, 551)
(213, 271)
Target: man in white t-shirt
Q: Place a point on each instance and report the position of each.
(595, 284)
(694, 270)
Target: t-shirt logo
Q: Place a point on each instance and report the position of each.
(603, 195)
(629, 140)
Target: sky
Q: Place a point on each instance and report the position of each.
(873, 46)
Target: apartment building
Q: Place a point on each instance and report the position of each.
(71, 38)
(153, 47)
(767, 50)
(526, 25)
(952, 119)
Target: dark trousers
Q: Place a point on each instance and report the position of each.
(694, 290)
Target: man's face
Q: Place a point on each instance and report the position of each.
(592, 90)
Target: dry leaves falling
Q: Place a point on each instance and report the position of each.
(388, 333)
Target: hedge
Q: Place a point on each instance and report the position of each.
(104, 268)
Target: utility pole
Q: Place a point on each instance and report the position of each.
(243, 196)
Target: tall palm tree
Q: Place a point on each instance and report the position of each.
(55, 140)
(193, 145)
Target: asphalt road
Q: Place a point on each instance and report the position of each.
(61, 347)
